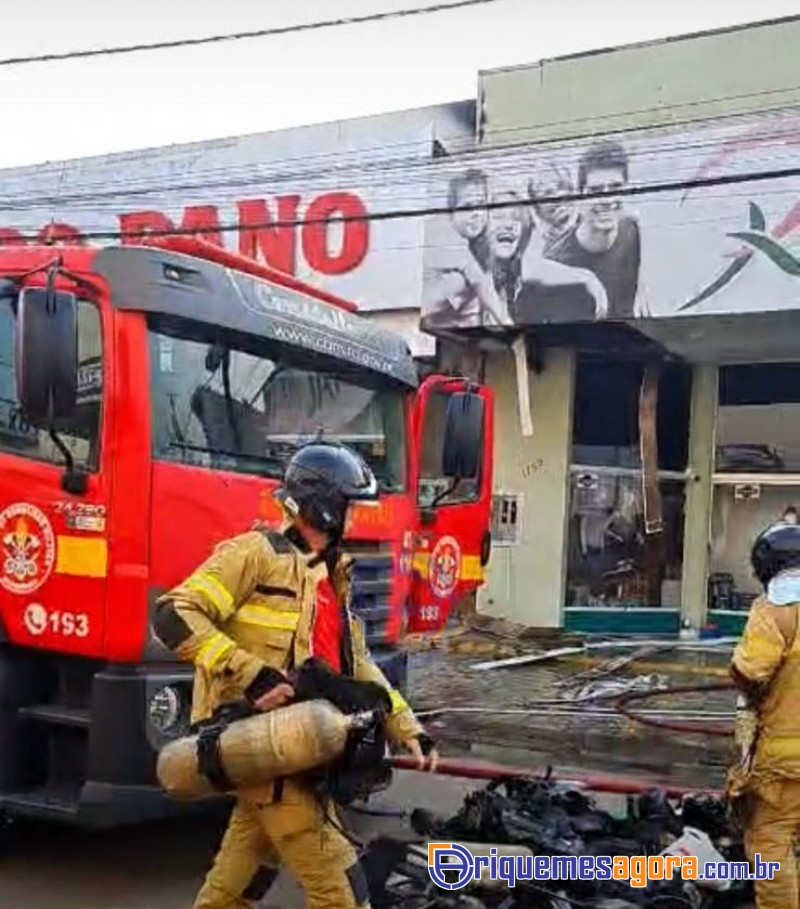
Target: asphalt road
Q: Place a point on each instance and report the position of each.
(159, 866)
(149, 867)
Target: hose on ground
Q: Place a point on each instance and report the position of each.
(621, 705)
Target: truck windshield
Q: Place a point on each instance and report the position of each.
(226, 409)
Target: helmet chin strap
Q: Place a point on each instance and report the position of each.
(295, 536)
(331, 551)
(331, 556)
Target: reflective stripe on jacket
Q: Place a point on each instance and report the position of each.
(251, 605)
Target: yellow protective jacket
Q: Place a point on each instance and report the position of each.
(251, 605)
(767, 658)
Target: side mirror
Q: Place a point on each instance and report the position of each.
(46, 355)
(463, 436)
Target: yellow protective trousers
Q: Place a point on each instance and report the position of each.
(294, 832)
(772, 831)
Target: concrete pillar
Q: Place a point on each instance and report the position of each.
(699, 496)
(526, 582)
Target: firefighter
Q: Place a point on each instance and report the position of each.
(261, 605)
(766, 669)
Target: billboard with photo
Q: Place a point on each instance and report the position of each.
(688, 220)
(284, 189)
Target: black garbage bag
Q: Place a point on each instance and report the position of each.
(547, 817)
(554, 819)
(652, 821)
(708, 813)
(490, 816)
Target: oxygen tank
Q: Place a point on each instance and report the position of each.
(256, 750)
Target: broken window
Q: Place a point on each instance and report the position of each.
(625, 537)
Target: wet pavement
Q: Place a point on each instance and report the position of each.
(156, 866)
(161, 866)
(546, 735)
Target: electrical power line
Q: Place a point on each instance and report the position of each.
(333, 167)
(555, 146)
(93, 218)
(365, 174)
(430, 211)
(419, 176)
(332, 164)
(240, 36)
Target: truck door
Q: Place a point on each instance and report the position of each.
(53, 551)
(452, 542)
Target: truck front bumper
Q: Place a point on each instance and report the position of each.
(124, 741)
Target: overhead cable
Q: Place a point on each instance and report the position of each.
(335, 165)
(376, 173)
(361, 167)
(241, 36)
(430, 211)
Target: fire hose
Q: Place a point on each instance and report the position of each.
(248, 745)
(480, 770)
(485, 770)
(621, 705)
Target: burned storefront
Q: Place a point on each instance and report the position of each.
(625, 271)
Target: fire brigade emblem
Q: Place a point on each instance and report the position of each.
(27, 548)
(445, 567)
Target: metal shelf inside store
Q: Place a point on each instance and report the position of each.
(757, 479)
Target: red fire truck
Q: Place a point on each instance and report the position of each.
(149, 397)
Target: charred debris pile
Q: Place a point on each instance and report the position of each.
(542, 817)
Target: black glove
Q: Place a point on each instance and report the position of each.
(426, 743)
(315, 679)
(265, 681)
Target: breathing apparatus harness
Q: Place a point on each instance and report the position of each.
(358, 771)
(320, 482)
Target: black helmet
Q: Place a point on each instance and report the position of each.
(321, 480)
(774, 550)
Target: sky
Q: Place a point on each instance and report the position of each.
(53, 111)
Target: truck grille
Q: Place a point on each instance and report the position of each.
(372, 586)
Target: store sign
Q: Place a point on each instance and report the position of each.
(568, 242)
(299, 200)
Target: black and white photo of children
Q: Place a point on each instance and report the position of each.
(496, 275)
(604, 239)
(550, 233)
(551, 190)
(456, 291)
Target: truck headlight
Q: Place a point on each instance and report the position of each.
(164, 709)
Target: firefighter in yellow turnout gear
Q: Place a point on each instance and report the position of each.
(766, 669)
(259, 606)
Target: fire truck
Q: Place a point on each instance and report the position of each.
(150, 395)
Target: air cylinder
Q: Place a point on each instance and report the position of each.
(260, 748)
